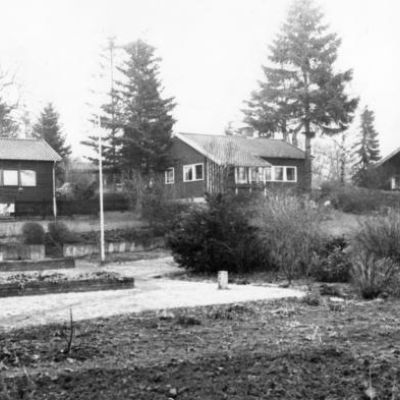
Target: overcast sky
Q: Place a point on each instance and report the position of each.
(211, 50)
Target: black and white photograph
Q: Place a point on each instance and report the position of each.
(200, 200)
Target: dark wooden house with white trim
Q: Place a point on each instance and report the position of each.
(215, 163)
(27, 176)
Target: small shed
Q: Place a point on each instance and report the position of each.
(27, 176)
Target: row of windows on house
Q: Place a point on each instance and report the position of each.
(243, 175)
(13, 177)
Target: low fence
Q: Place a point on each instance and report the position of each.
(82, 250)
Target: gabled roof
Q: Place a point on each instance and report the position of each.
(27, 149)
(387, 158)
(240, 151)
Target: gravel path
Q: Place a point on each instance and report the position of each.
(151, 292)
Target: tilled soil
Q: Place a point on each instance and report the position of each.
(260, 350)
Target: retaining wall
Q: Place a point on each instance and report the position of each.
(22, 252)
(81, 250)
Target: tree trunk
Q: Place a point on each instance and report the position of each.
(294, 139)
(308, 164)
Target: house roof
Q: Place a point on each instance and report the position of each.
(387, 158)
(240, 151)
(27, 149)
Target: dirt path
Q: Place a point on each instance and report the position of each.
(151, 292)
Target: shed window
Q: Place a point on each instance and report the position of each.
(193, 172)
(28, 177)
(10, 177)
(169, 176)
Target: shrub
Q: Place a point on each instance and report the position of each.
(33, 233)
(353, 199)
(59, 233)
(332, 263)
(380, 236)
(372, 275)
(217, 237)
(290, 231)
(160, 211)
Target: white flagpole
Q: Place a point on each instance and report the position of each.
(102, 252)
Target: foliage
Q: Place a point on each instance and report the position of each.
(352, 199)
(160, 211)
(290, 231)
(48, 129)
(147, 122)
(302, 92)
(372, 275)
(380, 236)
(366, 149)
(217, 237)
(9, 125)
(59, 233)
(33, 233)
(332, 263)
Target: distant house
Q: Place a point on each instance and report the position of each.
(388, 171)
(215, 163)
(27, 180)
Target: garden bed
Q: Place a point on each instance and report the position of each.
(33, 265)
(36, 284)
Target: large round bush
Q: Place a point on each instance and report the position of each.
(216, 237)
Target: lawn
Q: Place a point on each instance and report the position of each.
(275, 350)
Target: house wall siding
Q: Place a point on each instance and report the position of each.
(289, 162)
(182, 154)
(386, 171)
(43, 191)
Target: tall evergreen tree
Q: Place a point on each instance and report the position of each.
(366, 148)
(147, 124)
(303, 90)
(48, 128)
(270, 109)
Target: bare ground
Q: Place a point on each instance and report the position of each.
(260, 350)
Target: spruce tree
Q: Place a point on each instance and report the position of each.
(147, 124)
(303, 90)
(366, 148)
(48, 129)
(270, 110)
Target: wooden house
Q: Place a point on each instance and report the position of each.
(216, 163)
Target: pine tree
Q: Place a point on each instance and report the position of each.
(48, 129)
(366, 149)
(148, 122)
(303, 91)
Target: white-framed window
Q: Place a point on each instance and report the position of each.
(279, 173)
(268, 174)
(27, 177)
(291, 174)
(170, 176)
(241, 175)
(283, 174)
(193, 172)
(10, 177)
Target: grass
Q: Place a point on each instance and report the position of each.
(280, 350)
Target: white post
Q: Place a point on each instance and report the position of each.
(223, 280)
(102, 252)
(54, 192)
